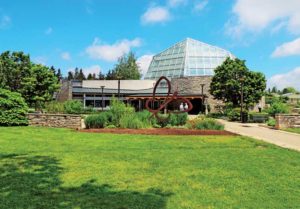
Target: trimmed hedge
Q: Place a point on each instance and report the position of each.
(13, 109)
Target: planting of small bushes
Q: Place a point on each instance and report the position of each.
(13, 109)
(203, 123)
(96, 121)
(271, 122)
(73, 107)
(277, 108)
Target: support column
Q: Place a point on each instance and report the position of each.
(83, 100)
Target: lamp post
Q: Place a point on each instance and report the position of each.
(202, 94)
(102, 88)
(242, 79)
(119, 88)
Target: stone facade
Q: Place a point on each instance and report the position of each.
(55, 120)
(287, 121)
(192, 86)
(65, 92)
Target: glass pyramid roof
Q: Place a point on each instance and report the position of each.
(187, 58)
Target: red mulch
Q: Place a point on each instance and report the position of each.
(158, 131)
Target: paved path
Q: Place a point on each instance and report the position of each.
(280, 138)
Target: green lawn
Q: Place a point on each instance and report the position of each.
(44, 168)
(293, 130)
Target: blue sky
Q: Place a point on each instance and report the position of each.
(91, 34)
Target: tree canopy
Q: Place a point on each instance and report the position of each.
(228, 79)
(127, 68)
(36, 83)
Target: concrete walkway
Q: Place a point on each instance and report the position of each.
(279, 138)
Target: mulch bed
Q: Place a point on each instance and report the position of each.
(159, 131)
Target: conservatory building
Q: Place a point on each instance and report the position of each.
(187, 58)
(189, 65)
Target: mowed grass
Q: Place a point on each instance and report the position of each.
(60, 168)
(293, 130)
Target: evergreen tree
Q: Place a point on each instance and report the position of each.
(101, 76)
(94, 76)
(59, 75)
(90, 77)
(274, 90)
(76, 74)
(70, 75)
(81, 75)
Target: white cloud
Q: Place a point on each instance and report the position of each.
(92, 69)
(176, 3)
(111, 52)
(144, 62)
(40, 60)
(48, 31)
(5, 21)
(288, 49)
(256, 15)
(65, 56)
(200, 5)
(288, 79)
(156, 14)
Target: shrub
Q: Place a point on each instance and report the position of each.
(117, 110)
(178, 119)
(13, 109)
(131, 121)
(271, 122)
(234, 114)
(54, 107)
(73, 107)
(146, 119)
(277, 108)
(203, 123)
(96, 121)
(110, 126)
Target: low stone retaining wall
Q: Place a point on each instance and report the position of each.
(55, 120)
(287, 121)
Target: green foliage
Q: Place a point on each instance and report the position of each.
(117, 110)
(96, 121)
(227, 81)
(36, 83)
(271, 122)
(146, 119)
(289, 90)
(73, 107)
(178, 119)
(234, 114)
(54, 107)
(126, 69)
(110, 126)
(131, 121)
(13, 109)
(203, 123)
(278, 108)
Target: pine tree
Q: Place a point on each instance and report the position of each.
(90, 77)
(94, 76)
(101, 76)
(81, 75)
(59, 75)
(70, 76)
(76, 74)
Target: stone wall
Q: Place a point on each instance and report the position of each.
(192, 86)
(287, 121)
(55, 120)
